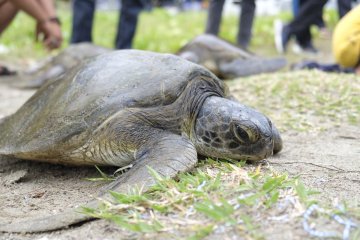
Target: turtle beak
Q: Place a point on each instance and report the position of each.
(278, 143)
(268, 154)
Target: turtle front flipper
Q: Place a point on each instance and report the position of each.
(167, 154)
(251, 66)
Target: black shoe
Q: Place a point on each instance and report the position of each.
(309, 48)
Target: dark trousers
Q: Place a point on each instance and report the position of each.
(83, 15)
(82, 22)
(310, 12)
(245, 20)
(343, 7)
(129, 13)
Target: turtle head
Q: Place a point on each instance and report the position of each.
(228, 129)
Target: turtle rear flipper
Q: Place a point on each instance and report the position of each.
(246, 67)
(167, 156)
(48, 223)
(40, 79)
(190, 56)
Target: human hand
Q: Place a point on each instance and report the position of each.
(50, 32)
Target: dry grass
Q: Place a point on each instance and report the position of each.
(302, 100)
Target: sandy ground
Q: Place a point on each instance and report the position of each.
(327, 161)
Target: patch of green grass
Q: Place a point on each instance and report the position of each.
(201, 232)
(304, 193)
(356, 235)
(219, 197)
(216, 197)
(157, 30)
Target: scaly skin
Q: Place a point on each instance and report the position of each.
(228, 129)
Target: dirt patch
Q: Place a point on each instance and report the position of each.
(329, 161)
(326, 160)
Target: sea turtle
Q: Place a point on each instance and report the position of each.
(219, 56)
(130, 106)
(227, 60)
(57, 65)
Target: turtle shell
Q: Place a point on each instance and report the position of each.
(210, 51)
(227, 60)
(61, 115)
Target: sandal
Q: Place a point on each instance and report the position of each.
(4, 71)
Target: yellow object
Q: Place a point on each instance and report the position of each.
(346, 39)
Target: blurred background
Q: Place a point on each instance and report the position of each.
(167, 26)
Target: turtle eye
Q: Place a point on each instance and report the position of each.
(245, 135)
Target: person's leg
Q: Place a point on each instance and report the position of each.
(129, 13)
(214, 16)
(304, 38)
(82, 23)
(308, 14)
(7, 13)
(295, 7)
(246, 22)
(344, 6)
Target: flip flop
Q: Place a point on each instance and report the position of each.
(4, 71)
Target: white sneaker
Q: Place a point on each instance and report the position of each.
(278, 27)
